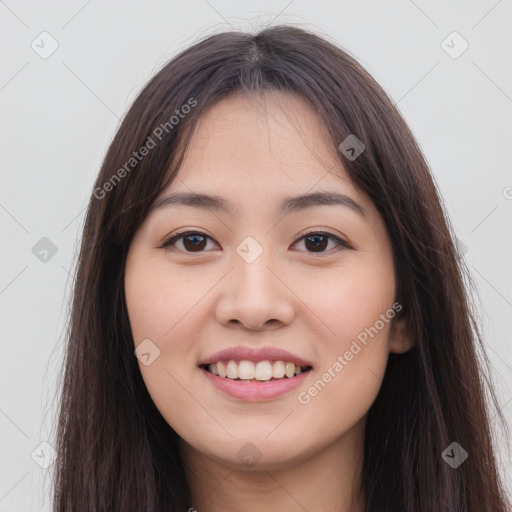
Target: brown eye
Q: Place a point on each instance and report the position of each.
(195, 241)
(319, 242)
(192, 241)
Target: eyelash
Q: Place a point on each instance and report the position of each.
(174, 237)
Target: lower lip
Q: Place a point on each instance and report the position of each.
(255, 391)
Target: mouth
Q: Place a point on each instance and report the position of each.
(255, 371)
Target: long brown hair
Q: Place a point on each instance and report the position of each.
(115, 450)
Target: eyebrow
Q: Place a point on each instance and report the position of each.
(288, 205)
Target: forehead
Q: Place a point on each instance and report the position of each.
(262, 145)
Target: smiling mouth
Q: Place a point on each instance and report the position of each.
(250, 371)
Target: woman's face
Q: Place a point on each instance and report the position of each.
(270, 277)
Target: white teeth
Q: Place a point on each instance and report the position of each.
(263, 370)
(232, 370)
(221, 369)
(278, 370)
(247, 370)
(289, 370)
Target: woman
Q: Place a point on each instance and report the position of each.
(269, 311)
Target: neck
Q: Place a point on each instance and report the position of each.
(328, 481)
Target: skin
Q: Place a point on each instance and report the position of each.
(254, 152)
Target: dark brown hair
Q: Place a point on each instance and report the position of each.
(115, 450)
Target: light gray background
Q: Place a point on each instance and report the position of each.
(60, 113)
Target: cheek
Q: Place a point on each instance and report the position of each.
(351, 300)
(349, 378)
(357, 309)
(151, 296)
(172, 326)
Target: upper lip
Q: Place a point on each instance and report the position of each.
(255, 355)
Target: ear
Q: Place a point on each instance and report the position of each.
(400, 339)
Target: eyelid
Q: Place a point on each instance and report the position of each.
(312, 231)
(177, 235)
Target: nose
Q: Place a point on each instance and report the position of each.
(254, 296)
